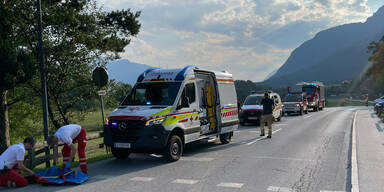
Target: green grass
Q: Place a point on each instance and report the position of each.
(92, 156)
(93, 124)
(343, 102)
(93, 121)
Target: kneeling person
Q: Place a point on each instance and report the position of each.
(69, 134)
(12, 161)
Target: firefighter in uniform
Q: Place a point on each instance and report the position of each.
(69, 134)
(12, 162)
(267, 115)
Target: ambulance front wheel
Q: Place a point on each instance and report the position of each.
(120, 153)
(225, 138)
(174, 148)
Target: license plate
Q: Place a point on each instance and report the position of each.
(122, 145)
(253, 118)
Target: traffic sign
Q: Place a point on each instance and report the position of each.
(102, 92)
(100, 76)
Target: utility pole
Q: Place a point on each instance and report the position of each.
(43, 81)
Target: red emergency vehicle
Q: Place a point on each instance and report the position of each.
(315, 95)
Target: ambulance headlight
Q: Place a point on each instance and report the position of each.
(156, 121)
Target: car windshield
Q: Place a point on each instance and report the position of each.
(253, 100)
(293, 98)
(163, 93)
(309, 90)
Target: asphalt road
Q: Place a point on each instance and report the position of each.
(306, 153)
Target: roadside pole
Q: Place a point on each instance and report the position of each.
(100, 78)
(101, 94)
(43, 80)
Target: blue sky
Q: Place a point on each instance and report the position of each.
(249, 38)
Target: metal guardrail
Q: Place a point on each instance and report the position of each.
(32, 159)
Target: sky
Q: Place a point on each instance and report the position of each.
(248, 38)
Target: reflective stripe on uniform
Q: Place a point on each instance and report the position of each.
(82, 159)
(83, 163)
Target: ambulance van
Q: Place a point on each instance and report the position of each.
(168, 108)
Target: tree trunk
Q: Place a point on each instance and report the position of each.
(54, 121)
(4, 122)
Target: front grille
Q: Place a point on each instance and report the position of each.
(126, 129)
(290, 105)
(253, 113)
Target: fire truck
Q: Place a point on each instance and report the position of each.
(315, 95)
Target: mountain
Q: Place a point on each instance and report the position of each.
(125, 70)
(333, 55)
(270, 74)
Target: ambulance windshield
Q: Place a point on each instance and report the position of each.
(161, 93)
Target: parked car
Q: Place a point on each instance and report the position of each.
(379, 107)
(251, 110)
(380, 99)
(295, 103)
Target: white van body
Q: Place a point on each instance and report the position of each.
(251, 111)
(168, 108)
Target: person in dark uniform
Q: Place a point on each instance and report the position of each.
(267, 114)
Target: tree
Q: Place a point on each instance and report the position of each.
(116, 92)
(376, 71)
(16, 66)
(77, 36)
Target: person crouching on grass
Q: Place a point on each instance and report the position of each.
(69, 134)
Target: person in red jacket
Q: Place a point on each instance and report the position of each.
(69, 134)
(12, 162)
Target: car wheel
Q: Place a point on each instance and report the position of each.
(174, 148)
(120, 153)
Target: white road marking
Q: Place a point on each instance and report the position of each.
(355, 171)
(330, 191)
(211, 140)
(260, 138)
(237, 131)
(280, 158)
(308, 116)
(185, 181)
(279, 189)
(231, 185)
(145, 179)
(156, 155)
(254, 131)
(280, 124)
(199, 159)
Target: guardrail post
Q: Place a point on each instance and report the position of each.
(47, 160)
(30, 158)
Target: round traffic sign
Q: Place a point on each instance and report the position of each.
(100, 76)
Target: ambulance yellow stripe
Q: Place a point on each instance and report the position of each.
(162, 112)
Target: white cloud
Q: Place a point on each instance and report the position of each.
(250, 38)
